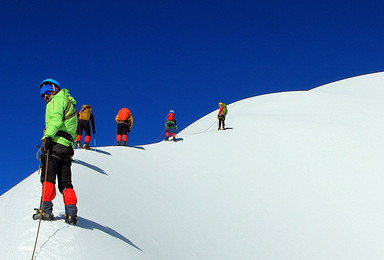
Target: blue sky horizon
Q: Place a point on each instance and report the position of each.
(154, 56)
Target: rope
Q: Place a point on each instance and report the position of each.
(37, 155)
(203, 130)
(160, 136)
(41, 205)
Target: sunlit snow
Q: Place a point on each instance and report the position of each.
(297, 175)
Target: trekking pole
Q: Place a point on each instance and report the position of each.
(94, 141)
(42, 204)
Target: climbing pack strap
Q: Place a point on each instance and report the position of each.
(126, 122)
(170, 123)
(65, 135)
(72, 114)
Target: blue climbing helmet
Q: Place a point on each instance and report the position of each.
(49, 85)
(50, 82)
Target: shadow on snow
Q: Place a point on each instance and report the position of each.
(89, 224)
(137, 147)
(100, 151)
(93, 167)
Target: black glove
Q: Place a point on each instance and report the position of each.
(129, 130)
(94, 131)
(48, 144)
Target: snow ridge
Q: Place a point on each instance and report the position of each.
(297, 175)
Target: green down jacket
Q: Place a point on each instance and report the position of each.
(61, 116)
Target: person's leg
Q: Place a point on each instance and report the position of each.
(48, 192)
(119, 133)
(87, 129)
(125, 129)
(167, 133)
(173, 133)
(66, 188)
(79, 132)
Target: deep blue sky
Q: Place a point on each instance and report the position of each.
(153, 56)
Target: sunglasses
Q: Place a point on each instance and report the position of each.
(48, 92)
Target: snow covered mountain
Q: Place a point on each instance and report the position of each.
(297, 175)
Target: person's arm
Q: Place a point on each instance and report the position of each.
(92, 118)
(131, 122)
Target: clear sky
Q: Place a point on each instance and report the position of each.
(153, 56)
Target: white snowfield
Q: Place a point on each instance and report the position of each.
(297, 175)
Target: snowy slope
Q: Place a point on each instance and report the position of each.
(298, 175)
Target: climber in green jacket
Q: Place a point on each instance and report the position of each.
(58, 144)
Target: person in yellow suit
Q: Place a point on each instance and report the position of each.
(85, 120)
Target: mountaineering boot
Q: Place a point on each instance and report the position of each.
(118, 143)
(124, 143)
(71, 220)
(174, 139)
(166, 139)
(86, 146)
(43, 216)
(78, 145)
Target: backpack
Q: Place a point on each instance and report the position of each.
(225, 110)
(171, 117)
(123, 114)
(85, 112)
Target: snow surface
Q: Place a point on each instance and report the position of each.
(297, 175)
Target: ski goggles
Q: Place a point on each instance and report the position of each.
(48, 92)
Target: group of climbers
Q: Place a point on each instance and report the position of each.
(86, 119)
(63, 131)
(124, 121)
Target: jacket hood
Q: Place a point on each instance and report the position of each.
(65, 93)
